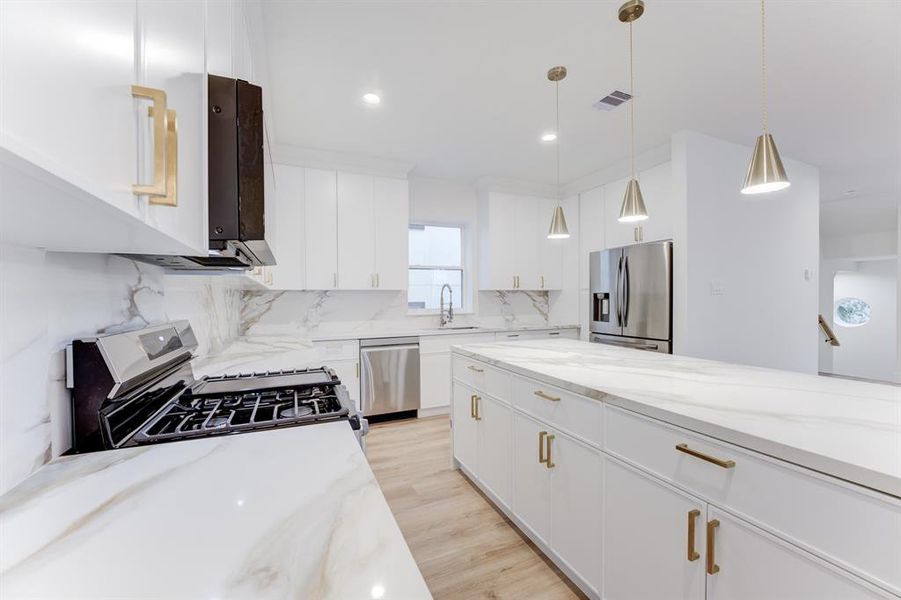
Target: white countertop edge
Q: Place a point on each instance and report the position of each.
(848, 472)
(359, 335)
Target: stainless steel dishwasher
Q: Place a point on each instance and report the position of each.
(390, 381)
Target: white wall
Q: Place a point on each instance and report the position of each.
(869, 350)
(739, 262)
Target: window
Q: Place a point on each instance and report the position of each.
(436, 258)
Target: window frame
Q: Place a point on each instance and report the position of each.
(464, 305)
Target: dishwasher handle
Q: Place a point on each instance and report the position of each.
(389, 348)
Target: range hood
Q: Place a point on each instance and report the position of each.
(236, 191)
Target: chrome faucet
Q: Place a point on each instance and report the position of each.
(447, 317)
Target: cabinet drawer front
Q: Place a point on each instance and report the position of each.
(568, 412)
(338, 349)
(853, 527)
(483, 378)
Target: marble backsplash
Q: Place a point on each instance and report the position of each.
(47, 299)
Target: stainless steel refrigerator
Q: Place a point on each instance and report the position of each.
(631, 301)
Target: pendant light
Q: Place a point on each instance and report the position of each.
(633, 208)
(765, 172)
(558, 230)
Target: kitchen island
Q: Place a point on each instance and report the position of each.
(286, 513)
(618, 463)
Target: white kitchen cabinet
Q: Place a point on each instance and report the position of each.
(435, 368)
(647, 538)
(550, 252)
(356, 234)
(321, 229)
(348, 372)
(591, 229)
(656, 189)
(514, 251)
(373, 216)
(465, 427)
(391, 207)
(344, 357)
(576, 515)
(495, 424)
(497, 242)
(753, 564)
(531, 480)
(537, 334)
(284, 221)
(65, 89)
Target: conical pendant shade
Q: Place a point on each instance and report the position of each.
(558, 230)
(633, 204)
(765, 173)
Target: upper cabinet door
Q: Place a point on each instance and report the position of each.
(650, 524)
(550, 252)
(391, 207)
(497, 242)
(321, 229)
(66, 71)
(356, 234)
(284, 221)
(530, 241)
(657, 190)
(174, 61)
(591, 229)
(617, 234)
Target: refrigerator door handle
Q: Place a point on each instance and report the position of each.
(627, 294)
(617, 292)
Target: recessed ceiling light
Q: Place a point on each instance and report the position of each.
(371, 98)
(550, 136)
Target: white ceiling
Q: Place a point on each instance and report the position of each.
(465, 95)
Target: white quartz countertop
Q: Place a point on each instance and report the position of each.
(847, 429)
(452, 330)
(288, 513)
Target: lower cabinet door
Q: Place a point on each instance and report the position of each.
(349, 373)
(531, 478)
(495, 425)
(434, 380)
(648, 528)
(752, 564)
(465, 432)
(576, 495)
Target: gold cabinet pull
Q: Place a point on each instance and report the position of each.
(478, 414)
(692, 521)
(549, 462)
(541, 394)
(160, 116)
(726, 464)
(476, 369)
(542, 281)
(541, 436)
(712, 567)
(472, 406)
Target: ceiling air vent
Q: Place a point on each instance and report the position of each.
(612, 100)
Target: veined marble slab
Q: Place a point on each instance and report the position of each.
(288, 513)
(847, 429)
(433, 331)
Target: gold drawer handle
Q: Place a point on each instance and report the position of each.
(712, 567)
(541, 436)
(549, 463)
(476, 369)
(477, 415)
(692, 520)
(541, 394)
(472, 406)
(726, 464)
(164, 190)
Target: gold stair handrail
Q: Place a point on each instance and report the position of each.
(830, 335)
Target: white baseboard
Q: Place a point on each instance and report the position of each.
(433, 411)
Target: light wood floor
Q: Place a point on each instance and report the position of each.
(464, 547)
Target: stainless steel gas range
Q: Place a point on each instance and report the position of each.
(138, 388)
